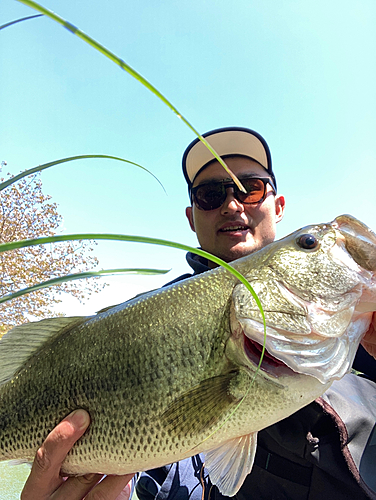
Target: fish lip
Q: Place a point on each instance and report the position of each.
(359, 241)
(270, 364)
(347, 224)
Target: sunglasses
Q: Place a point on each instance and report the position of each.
(213, 194)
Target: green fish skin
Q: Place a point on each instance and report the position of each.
(174, 372)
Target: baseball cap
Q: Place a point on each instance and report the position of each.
(226, 141)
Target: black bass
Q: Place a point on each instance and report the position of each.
(174, 372)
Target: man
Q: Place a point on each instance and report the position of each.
(229, 224)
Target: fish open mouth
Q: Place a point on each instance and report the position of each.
(269, 364)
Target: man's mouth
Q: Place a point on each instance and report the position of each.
(234, 228)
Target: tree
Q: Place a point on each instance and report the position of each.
(25, 212)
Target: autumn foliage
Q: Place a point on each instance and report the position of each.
(25, 212)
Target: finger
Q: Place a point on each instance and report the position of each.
(126, 492)
(45, 476)
(370, 347)
(75, 488)
(112, 488)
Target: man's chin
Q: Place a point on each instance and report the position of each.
(238, 252)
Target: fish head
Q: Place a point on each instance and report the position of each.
(317, 288)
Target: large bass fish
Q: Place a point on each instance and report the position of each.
(174, 372)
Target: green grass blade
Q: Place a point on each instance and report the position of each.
(39, 168)
(123, 65)
(4, 247)
(78, 276)
(110, 55)
(19, 21)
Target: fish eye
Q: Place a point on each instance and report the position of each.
(307, 242)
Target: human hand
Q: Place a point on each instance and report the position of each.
(369, 339)
(45, 481)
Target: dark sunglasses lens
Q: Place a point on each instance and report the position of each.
(210, 196)
(255, 190)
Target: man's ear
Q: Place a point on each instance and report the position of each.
(279, 207)
(189, 214)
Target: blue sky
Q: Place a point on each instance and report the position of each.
(301, 73)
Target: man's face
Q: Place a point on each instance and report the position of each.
(235, 229)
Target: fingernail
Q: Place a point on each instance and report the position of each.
(79, 418)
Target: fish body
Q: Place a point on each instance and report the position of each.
(175, 372)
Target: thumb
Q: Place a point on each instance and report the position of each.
(45, 476)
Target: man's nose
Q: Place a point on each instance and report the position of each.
(231, 204)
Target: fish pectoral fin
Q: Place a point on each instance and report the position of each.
(22, 341)
(229, 464)
(203, 406)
